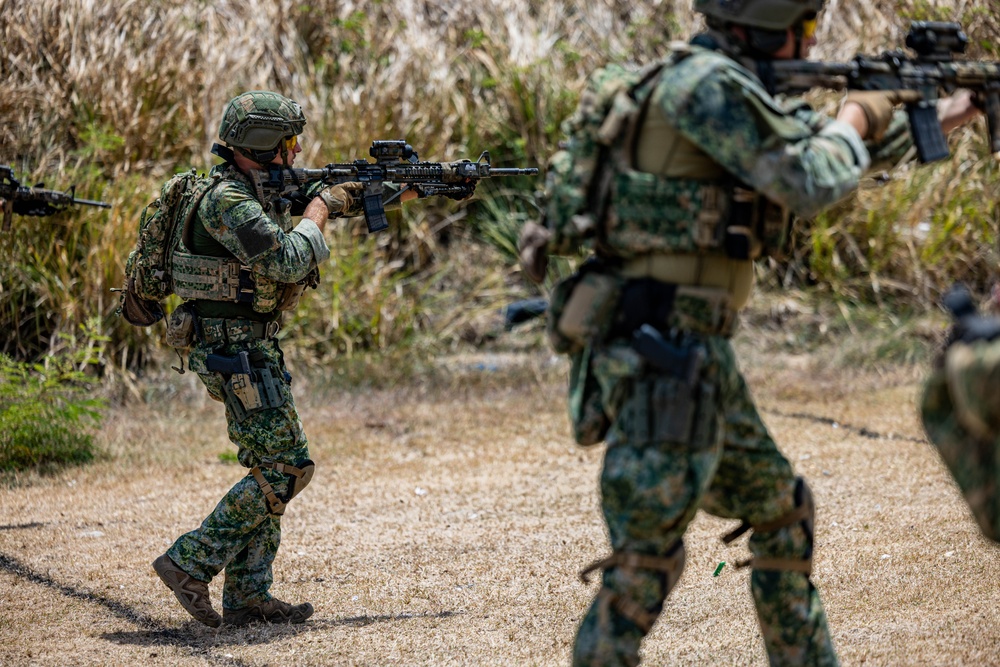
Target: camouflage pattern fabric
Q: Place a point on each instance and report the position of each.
(726, 463)
(240, 535)
(232, 223)
(961, 416)
(651, 490)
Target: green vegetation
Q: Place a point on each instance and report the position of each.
(47, 413)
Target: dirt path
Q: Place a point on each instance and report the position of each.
(446, 525)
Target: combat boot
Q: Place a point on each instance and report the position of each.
(191, 593)
(272, 611)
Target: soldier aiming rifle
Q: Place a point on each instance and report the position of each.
(37, 201)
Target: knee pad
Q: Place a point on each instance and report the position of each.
(298, 478)
(804, 514)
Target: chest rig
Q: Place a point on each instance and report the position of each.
(213, 278)
(681, 201)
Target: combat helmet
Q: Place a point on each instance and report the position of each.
(764, 14)
(255, 123)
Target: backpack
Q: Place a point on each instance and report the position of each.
(148, 279)
(599, 135)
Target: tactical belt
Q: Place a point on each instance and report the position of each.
(217, 330)
(665, 306)
(735, 276)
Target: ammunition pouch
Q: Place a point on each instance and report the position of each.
(251, 386)
(651, 213)
(299, 477)
(211, 278)
(582, 308)
(220, 331)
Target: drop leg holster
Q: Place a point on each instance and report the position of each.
(670, 566)
(299, 478)
(804, 513)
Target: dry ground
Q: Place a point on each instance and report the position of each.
(447, 523)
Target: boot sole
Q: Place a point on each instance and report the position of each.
(162, 566)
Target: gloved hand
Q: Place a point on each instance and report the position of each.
(339, 198)
(532, 250)
(879, 105)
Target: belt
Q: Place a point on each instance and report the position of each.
(732, 275)
(215, 330)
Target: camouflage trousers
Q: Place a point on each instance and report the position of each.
(241, 536)
(652, 485)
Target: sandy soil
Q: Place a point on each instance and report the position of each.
(447, 524)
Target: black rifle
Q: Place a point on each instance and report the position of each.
(934, 68)
(969, 325)
(395, 162)
(26, 200)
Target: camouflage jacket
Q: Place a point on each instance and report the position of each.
(231, 222)
(708, 121)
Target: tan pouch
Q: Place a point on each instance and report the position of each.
(180, 329)
(589, 311)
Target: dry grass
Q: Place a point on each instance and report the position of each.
(449, 518)
(113, 96)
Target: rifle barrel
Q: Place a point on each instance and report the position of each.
(91, 202)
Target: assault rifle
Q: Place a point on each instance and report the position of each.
(395, 162)
(26, 200)
(933, 69)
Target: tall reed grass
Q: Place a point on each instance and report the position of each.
(115, 96)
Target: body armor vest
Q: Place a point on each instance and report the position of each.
(666, 196)
(226, 279)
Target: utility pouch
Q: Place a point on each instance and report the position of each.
(180, 328)
(586, 306)
(265, 294)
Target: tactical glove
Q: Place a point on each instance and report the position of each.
(879, 105)
(533, 251)
(339, 198)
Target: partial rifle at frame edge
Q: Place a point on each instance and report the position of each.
(395, 162)
(11, 192)
(933, 68)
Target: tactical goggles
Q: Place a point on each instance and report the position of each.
(291, 142)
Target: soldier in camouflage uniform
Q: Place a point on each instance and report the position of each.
(698, 170)
(238, 239)
(960, 409)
